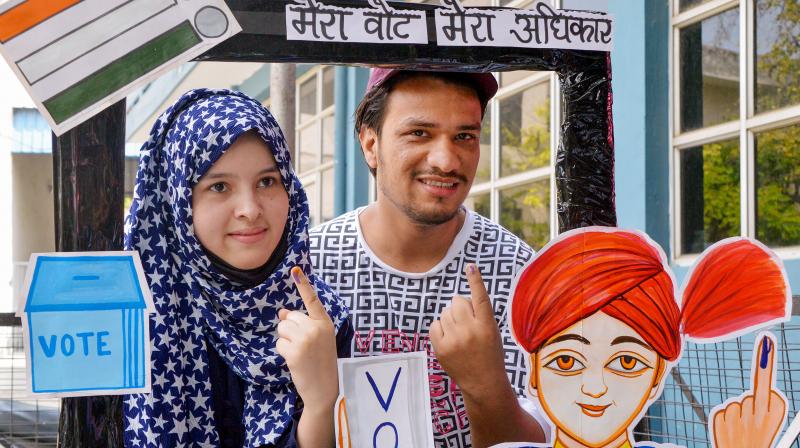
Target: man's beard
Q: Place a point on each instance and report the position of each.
(422, 217)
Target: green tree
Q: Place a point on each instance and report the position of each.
(778, 186)
(778, 151)
(778, 67)
(526, 148)
(777, 171)
(525, 210)
(721, 196)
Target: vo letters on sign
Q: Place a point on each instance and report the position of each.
(384, 402)
(386, 416)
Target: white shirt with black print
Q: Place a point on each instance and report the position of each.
(392, 311)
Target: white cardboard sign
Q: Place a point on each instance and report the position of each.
(313, 21)
(540, 26)
(384, 401)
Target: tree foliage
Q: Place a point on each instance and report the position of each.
(721, 190)
(778, 67)
(525, 210)
(777, 170)
(778, 151)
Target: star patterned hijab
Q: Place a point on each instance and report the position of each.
(195, 303)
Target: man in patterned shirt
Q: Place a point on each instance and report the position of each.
(399, 262)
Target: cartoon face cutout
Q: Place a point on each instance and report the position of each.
(594, 379)
(577, 303)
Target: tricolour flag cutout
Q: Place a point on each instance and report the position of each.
(76, 57)
(23, 15)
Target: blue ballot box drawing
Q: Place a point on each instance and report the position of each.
(86, 324)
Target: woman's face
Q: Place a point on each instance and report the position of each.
(240, 206)
(594, 378)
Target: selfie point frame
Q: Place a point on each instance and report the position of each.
(584, 162)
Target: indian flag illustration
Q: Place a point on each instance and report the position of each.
(75, 54)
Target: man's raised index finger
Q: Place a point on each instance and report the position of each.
(480, 298)
(309, 295)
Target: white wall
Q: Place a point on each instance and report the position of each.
(216, 75)
(12, 95)
(33, 223)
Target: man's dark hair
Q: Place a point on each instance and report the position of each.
(371, 110)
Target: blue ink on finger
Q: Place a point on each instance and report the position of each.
(296, 275)
(766, 347)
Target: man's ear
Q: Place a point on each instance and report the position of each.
(369, 144)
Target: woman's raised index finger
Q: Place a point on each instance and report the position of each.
(309, 295)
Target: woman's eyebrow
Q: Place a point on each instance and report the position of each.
(624, 339)
(221, 175)
(215, 176)
(569, 337)
(272, 169)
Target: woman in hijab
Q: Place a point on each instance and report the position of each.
(220, 220)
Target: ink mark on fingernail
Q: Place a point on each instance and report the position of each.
(765, 349)
(296, 275)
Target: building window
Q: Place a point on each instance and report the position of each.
(513, 185)
(315, 141)
(31, 132)
(736, 122)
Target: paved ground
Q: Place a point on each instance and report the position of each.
(25, 422)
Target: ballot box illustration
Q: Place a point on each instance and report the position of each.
(85, 323)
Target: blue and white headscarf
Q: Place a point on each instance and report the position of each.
(194, 302)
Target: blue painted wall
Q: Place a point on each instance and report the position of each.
(350, 172)
(640, 59)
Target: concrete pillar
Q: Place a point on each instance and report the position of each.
(282, 79)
